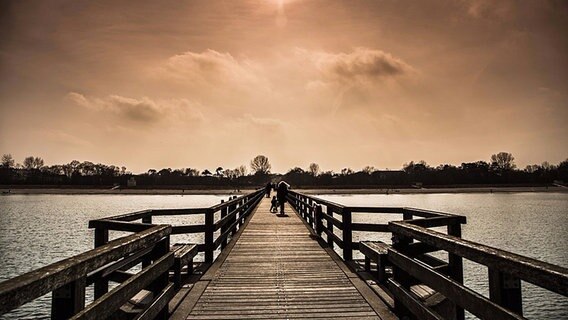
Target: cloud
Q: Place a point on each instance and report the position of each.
(142, 110)
(78, 99)
(361, 66)
(502, 9)
(362, 78)
(210, 68)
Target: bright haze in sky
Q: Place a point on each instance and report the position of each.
(202, 84)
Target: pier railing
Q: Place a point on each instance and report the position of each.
(110, 261)
(232, 215)
(68, 279)
(410, 257)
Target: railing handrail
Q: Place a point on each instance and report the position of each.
(307, 203)
(150, 242)
(374, 209)
(178, 211)
(229, 210)
(31, 285)
(332, 204)
(540, 273)
(411, 261)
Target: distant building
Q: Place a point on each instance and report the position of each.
(131, 182)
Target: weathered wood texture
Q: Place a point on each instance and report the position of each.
(183, 256)
(276, 271)
(31, 285)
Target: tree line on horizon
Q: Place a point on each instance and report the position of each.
(501, 169)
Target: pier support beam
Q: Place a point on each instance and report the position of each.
(100, 285)
(347, 235)
(209, 231)
(505, 290)
(68, 300)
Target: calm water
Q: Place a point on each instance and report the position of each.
(36, 230)
(530, 224)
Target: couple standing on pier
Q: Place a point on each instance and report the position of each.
(281, 192)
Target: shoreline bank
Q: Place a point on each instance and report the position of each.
(95, 191)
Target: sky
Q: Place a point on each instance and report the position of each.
(202, 84)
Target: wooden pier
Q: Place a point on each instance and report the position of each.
(277, 270)
(256, 264)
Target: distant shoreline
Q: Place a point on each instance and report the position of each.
(339, 191)
(437, 190)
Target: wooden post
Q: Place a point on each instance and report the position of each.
(161, 282)
(147, 219)
(347, 235)
(234, 218)
(329, 226)
(242, 209)
(100, 285)
(148, 260)
(406, 215)
(306, 210)
(240, 214)
(224, 212)
(310, 213)
(69, 299)
(209, 231)
(455, 267)
(318, 219)
(401, 243)
(505, 290)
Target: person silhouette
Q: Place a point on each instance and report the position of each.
(281, 193)
(274, 205)
(268, 188)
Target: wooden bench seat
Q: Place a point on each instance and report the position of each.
(183, 256)
(376, 251)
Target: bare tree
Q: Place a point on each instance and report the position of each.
(28, 162)
(241, 171)
(74, 167)
(8, 161)
(369, 169)
(190, 172)
(38, 163)
(546, 166)
(314, 169)
(229, 173)
(260, 164)
(503, 161)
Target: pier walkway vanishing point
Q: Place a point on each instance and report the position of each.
(277, 270)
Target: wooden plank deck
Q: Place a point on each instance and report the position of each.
(275, 270)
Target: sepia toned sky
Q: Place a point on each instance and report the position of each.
(201, 84)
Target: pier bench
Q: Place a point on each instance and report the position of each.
(183, 256)
(376, 251)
